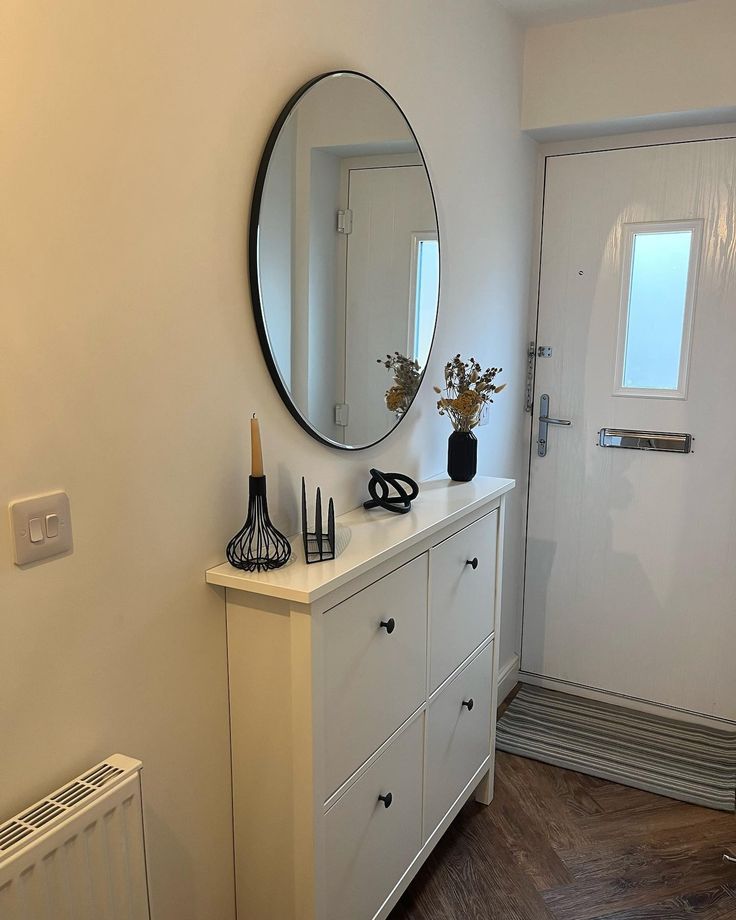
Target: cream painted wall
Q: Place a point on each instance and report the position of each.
(656, 67)
(129, 361)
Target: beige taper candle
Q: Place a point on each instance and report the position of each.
(256, 453)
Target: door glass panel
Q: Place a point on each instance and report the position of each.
(657, 309)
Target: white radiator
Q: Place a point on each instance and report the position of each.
(78, 854)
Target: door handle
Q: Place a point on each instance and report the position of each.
(554, 421)
(545, 420)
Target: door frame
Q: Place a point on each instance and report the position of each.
(546, 151)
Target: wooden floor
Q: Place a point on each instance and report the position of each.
(556, 845)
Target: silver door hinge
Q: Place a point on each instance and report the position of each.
(342, 414)
(530, 355)
(345, 221)
(544, 351)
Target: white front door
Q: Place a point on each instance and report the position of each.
(630, 582)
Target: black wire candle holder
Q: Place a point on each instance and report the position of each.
(258, 546)
(319, 546)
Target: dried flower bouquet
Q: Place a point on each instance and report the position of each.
(467, 390)
(407, 376)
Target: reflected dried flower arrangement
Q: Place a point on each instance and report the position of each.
(407, 376)
(467, 390)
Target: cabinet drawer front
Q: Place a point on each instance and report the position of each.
(375, 676)
(458, 737)
(369, 846)
(462, 596)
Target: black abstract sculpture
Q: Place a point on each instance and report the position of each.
(258, 545)
(319, 546)
(400, 501)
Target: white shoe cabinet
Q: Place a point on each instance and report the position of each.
(362, 703)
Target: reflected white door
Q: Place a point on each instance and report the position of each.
(630, 582)
(392, 213)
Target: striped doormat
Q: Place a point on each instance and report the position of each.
(692, 763)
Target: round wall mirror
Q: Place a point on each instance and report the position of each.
(345, 260)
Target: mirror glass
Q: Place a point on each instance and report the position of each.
(345, 260)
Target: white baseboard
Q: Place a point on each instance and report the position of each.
(619, 699)
(508, 677)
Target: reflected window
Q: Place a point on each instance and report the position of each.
(660, 262)
(425, 287)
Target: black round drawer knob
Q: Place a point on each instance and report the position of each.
(473, 563)
(389, 625)
(468, 704)
(386, 799)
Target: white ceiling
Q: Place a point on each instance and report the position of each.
(539, 12)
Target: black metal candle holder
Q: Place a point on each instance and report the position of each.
(318, 545)
(258, 546)
(400, 501)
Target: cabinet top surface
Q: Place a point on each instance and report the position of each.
(365, 539)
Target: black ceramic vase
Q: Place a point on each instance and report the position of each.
(462, 456)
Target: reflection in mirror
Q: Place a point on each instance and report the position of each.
(345, 258)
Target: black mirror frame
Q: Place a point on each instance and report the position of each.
(258, 312)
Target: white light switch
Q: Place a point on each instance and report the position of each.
(52, 525)
(42, 527)
(35, 531)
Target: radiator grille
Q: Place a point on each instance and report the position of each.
(42, 813)
(101, 774)
(73, 794)
(14, 833)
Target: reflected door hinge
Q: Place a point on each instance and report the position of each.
(345, 221)
(342, 414)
